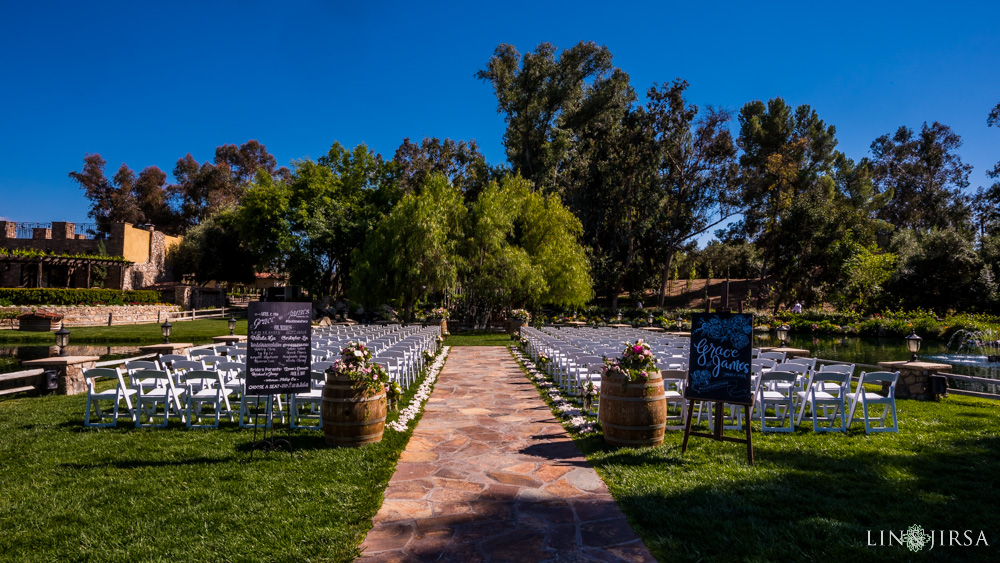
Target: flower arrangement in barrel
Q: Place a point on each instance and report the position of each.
(441, 313)
(355, 361)
(636, 363)
(521, 315)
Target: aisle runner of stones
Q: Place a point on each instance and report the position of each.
(490, 475)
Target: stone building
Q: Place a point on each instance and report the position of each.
(144, 252)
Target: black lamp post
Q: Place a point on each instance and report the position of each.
(680, 323)
(165, 331)
(62, 339)
(913, 345)
(232, 325)
(649, 319)
(782, 334)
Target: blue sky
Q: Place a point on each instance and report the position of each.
(145, 84)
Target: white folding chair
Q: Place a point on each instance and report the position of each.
(250, 407)
(199, 352)
(311, 399)
(211, 359)
(180, 367)
(869, 398)
(776, 356)
(164, 393)
(826, 390)
(120, 393)
(138, 382)
(206, 387)
(673, 387)
(775, 390)
(167, 360)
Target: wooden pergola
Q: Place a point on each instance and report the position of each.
(72, 263)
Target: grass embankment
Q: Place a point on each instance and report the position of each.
(73, 494)
(815, 496)
(197, 332)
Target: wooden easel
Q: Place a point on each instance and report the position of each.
(717, 434)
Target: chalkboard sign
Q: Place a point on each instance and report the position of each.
(278, 348)
(719, 364)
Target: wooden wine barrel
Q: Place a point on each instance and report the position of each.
(352, 415)
(633, 414)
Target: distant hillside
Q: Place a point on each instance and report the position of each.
(690, 294)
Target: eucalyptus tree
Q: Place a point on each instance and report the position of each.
(125, 197)
(552, 105)
(787, 190)
(204, 188)
(694, 172)
(987, 200)
(926, 177)
(460, 162)
(568, 133)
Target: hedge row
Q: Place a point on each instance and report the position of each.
(48, 296)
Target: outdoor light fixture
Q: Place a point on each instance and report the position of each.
(62, 339)
(232, 325)
(165, 331)
(649, 319)
(913, 345)
(619, 315)
(680, 324)
(782, 334)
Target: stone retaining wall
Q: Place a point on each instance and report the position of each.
(82, 315)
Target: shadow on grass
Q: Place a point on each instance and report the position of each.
(811, 503)
(145, 463)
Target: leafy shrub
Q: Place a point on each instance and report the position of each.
(50, 296)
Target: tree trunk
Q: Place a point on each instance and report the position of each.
(666, 279)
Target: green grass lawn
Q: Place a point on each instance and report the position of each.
(197, 332)
(815, 496)
(69, 493)
(478, 338)
(73, 494)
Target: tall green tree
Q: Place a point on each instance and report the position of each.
(522, 250)
(695, 171)
(310, 225)
(987, 200)
(938, 270)
(414, 251)
(788, 189)
(460, 162)
(125, 197)
(213, 250)
(550, 103)
(926, 177)
(204, 188)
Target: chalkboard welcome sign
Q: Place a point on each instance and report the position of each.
(719, 364)
(278, 348)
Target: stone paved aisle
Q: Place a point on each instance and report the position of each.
(490, 475)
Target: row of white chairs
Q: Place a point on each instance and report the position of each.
(823, 394)
(183, 386)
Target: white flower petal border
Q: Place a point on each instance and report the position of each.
(572, 416)
(423, 393)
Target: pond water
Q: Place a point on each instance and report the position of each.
(874, 350)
